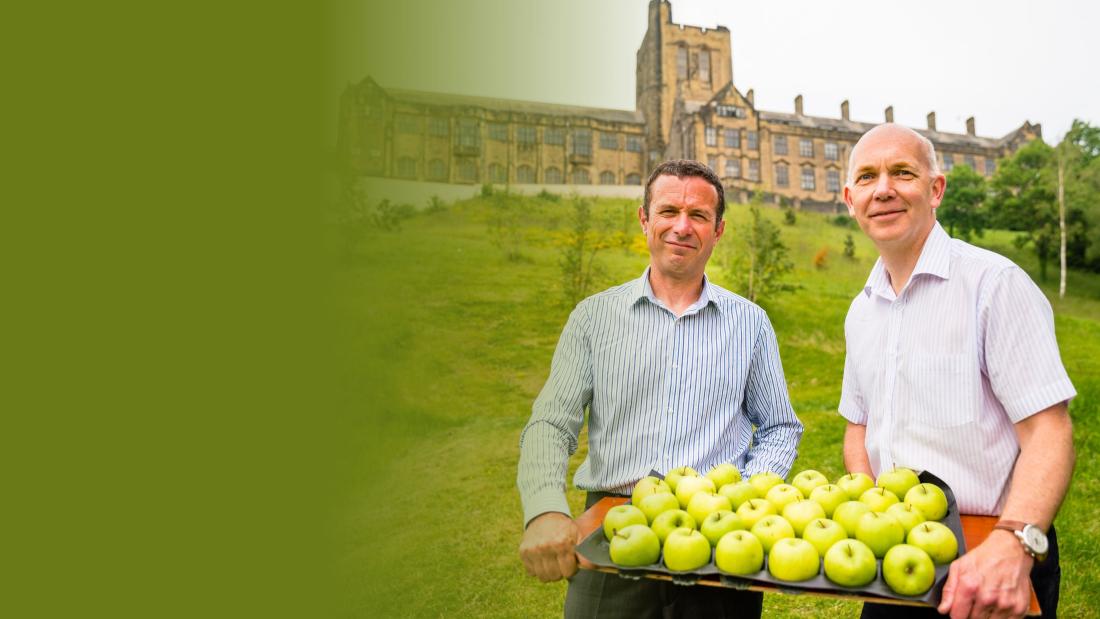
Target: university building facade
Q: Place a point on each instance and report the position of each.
(686, 107)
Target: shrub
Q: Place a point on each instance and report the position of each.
(821, 258)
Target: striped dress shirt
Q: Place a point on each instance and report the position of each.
(940, 372)
(662, 391)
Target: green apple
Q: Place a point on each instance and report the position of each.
(656, 504)
(671, 520)
(764, 481)
(823, 533)
(850, 563)
(936, 539)
(753, 510)
(739, 553)
(829, 497)
(898, 481)
(855, 484)
(906, 514)
(793, 559)
(880, 532)
(723, 474)
(620, 517)
(801, 513)
(686, 549)
(908, 570)
(688, 486)
(647, 486)
(771, 529)
(848, 514)
(673, 477)
(878, 499)
(739, 492)
(783, 494)
(705, 503)
(718, 524)
(635, 546)
(807, 480)
(928, 498)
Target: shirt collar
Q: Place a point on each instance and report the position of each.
(643, 290)
(934, 260)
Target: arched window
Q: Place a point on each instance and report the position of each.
(552, 176)
(580, 177)
(525, 174)
(498, 173)
(406, 167)
(607, 178)
(437, 170)
(467, 171)
(634, 179)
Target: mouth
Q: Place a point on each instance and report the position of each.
(684, 245)
(887, 214)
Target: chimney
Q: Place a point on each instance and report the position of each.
(889, 113)
(970, 126)
(931, 121)
(798, 105)
(844, 109)
(748, 96)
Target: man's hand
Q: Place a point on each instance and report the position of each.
(547, 547)
(990, 581)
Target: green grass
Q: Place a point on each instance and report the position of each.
(446, 343)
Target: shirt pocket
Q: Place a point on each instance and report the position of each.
(941, 390)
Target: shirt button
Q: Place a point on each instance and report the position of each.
(675, 365)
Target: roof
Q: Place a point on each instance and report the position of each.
(939, 138)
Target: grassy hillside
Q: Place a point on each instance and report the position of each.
(447, 340)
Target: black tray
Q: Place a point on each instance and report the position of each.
(596, 549)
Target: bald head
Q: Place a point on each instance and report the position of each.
(896, 132)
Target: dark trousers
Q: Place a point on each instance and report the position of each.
(1045, 579)
(598, 594)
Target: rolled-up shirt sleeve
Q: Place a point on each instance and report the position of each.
(768, 406)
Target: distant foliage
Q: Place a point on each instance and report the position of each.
(549, 197)
(436, 205)
(760, 264)
(849, 247)
(505, 225)
(356, 218)
(789, 217)
(821, 258)
(580, 268)
(486, 190)
(962, 211)
(844, 221)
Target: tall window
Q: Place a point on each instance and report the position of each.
(553, 135)
(580, 177)
(498, 173)
(711, 135)
(609, 141)
(467, 171)
(751, 138)
(731, 111)
(634, 143)
(832, 153)
(754, 169)
(948, 162)
(808, 178)
(733, 168)
(712, 163)
(681, 62)
(408, 124)
(468, 133)
(582, 142)
(781, 175)
(970, 162)
(552, 176)
(439, 127)
(406, 167)
(990, 166)
(704, 65)
(607, 178)
(781, 145)
(806, 148)
(633, 179)
(832, 179)
(498, 132)
(525, 174)
(525, 135)
(733, 138)
(437, 170)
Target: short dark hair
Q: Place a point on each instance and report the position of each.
(681, 168)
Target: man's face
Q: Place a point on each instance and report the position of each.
(893, 194)
(680, 228)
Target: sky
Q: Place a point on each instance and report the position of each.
(1002, 62)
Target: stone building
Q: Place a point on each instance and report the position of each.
(687, 106)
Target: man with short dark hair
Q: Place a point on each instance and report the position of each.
(674, 371)
(952, 366)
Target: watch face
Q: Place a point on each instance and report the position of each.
(1035, 539)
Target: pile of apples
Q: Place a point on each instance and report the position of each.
(850, 524)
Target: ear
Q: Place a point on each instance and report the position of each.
(642, 219)
(719, 230)
(939, 186)
(848, 201)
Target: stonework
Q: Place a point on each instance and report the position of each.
(686, 107)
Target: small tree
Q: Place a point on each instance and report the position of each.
(760, 268)
(1024, 199)
(961, 211)
(789, 217)
(505, 230)
(849, 247)
(579, 267)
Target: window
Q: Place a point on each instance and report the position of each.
(832, 179)
(733, 138)
(781, 175)
(582, 142)
(781, 145)
(808, 178)
(681, 62)
(498, 132)
(948, 162)
(634, 143)
(970, 162)
(580, 177)
(832, 152)
(633, 179)
(467, 171)
(553, 135)
(408, 124)
(437, 170)
(525, 135)
(467, 133)
(733, 168)
(754, 169)
(990, 166)
(439, 127)
(806, 148)
(712, 163)
(711, 135)
(704, 65)
(525, 174)
(498, 173)
(751, 138)
(609, 141)
(607, 178)
(406, 167)
(552, 176)
(731, 111)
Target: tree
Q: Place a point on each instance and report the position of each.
(579, 267)
(961, 211)
(759, 269)
(1078, 160)
(1023, 199)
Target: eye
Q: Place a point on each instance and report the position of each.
(904, 173)
(866, 176)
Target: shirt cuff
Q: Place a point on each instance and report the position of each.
(852, 413)
(1040, 400)
(549, 500)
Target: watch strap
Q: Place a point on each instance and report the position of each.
(1010, 525)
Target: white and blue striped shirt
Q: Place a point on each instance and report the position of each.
(940, 372)
(662, 392)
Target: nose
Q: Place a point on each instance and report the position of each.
(884, 187)
(682, 225)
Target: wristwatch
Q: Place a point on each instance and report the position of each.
(1032, 537)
